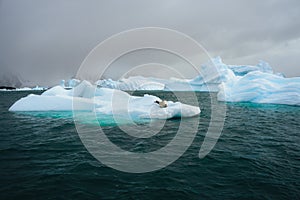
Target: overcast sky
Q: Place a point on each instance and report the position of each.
(46, 40)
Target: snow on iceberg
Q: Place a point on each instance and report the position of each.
(260, 87)
(103, 101)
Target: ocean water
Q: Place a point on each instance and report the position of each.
(256, 157)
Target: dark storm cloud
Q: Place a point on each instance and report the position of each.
(46, 41)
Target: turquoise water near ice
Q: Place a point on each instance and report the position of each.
(256, 157)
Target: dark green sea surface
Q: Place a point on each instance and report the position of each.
(256, 157)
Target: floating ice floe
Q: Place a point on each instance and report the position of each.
(87, 97)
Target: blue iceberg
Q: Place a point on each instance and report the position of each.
(261, 87)
(234, 83)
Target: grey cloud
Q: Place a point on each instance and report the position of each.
(46, 41)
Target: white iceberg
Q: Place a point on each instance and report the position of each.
(36, 88)
(211, 75)
(260, 87)
(70, 83)
(103, 101)
(234, 83)
(133, 83)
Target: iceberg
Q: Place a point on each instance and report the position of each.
(211, 75)
(261, 87)
(233, 83)
(133, 83)
(36, 88)
(241, 70)
(70, 83)
(103, 101)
